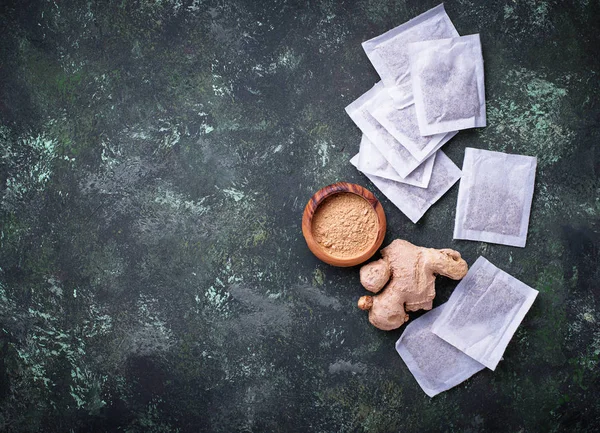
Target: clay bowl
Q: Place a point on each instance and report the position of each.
(313, 204)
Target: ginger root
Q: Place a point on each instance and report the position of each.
(412, 286)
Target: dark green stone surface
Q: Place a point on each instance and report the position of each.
(155, 159)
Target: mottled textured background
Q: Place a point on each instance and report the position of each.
(155, 159)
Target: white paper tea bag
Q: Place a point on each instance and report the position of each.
(396, 154)
(484, 312)
(389, 54)
(494, 198)
(402, 124)
(447, 82)
(414, 201)
(436, 365)
(371, 161)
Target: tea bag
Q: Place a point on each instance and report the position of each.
(484, 312)
(494, 198)
(396, 154)
(436, 365)
(448, 86)
(414, 201)
(402, 124)
(371, 161)
(389, 54)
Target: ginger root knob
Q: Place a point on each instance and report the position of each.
(365, 302)
(374, 275)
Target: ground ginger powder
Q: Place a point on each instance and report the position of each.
(345, 225)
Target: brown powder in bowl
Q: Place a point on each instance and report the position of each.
(345, 225)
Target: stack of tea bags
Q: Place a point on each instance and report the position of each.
(431, 87)
(450, 343)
